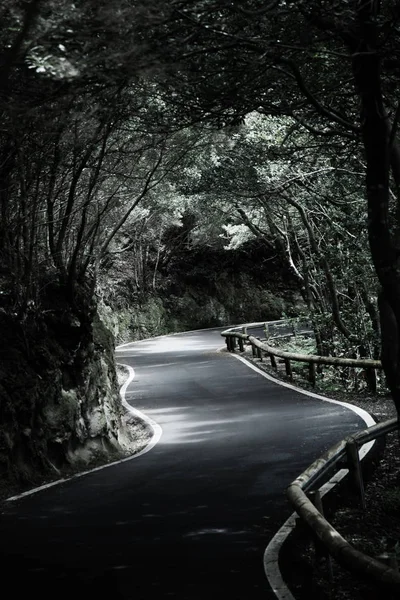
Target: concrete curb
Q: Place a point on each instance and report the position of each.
(157, 429)
(157, 433)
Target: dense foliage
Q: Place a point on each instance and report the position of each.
(147, 129)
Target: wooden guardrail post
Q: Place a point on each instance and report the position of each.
(288, 368)
(241, 346)
(354, 465)
(273, 362)
(231, 343)
(370, 375)
(320, 550)
(253, 350)
(259, 353)
(312, 373)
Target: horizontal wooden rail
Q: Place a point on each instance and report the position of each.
(313, 358)
(363, 363)
(368, 567)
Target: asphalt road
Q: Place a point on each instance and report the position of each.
(191, 518)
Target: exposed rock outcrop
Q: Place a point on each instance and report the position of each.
(60, 407)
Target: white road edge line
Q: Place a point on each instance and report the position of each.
(159, 337)
(157, 433)
(271, 553)
(360, 411)
(157, 429)
(216, 328)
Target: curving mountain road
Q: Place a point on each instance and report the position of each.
(190, 518)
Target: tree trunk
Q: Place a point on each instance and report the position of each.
(375, 126)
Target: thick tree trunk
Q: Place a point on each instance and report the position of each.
(385, 256)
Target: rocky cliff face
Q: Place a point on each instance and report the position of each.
(59, 400)
(202, 287)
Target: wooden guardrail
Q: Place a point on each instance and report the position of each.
(259, 348)
(304, 492)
